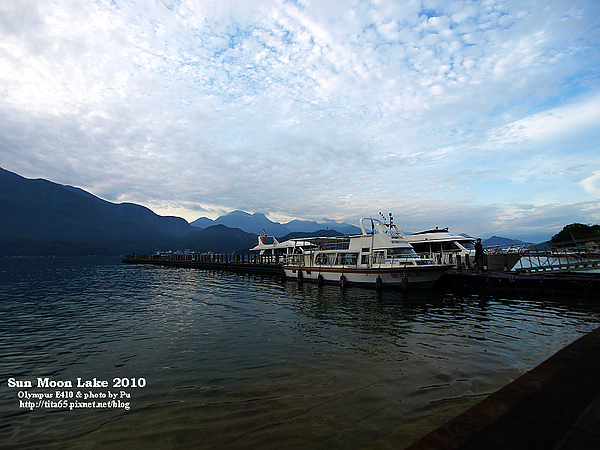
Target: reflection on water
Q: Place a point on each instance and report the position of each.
(245, 361)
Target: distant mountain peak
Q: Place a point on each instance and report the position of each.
(500, 241)
(259, 223)
(239, 212)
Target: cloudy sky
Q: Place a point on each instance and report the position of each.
(479, 115)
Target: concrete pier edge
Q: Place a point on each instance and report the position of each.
(556, 405)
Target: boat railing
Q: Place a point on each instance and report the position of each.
(441, 257)
(448, 257)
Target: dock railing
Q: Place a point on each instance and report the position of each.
(209, 257)
(508, 249)
(555, 263)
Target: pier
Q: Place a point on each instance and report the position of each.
(515, 285)
(250, 263)
(548, 282)
(554, 406)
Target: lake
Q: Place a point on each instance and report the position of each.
(205, 359)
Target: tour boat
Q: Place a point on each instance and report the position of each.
(270, 250)
(380, 256)
(442, 246)
(445, 247)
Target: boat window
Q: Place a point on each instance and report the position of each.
(366, 250)
(450, 246)
(436, 247)
(321, 259)
(401, 252)
(421, 247)
(338, 244)
(469, 245)
(378, 257)
(325, 259)
(331, 258)
(348, 259)
(364, 259)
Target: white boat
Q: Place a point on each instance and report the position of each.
(270, 250)
(443, 246)
(380, 256)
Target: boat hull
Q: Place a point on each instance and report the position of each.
(398, 277)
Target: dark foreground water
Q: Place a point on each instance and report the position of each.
(239, 361)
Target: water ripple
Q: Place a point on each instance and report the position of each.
(232, 358)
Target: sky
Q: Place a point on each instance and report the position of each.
(483, 116)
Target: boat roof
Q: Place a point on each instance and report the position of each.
(297, 242)
(316, 239)
(436, 230)
(438, 234)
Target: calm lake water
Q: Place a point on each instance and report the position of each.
(241, 361)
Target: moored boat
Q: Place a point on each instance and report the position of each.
(380, 257)
(270, 250)
(443, 246)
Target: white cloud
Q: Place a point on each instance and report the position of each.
(592, 184)
(306, 109)
(560, 123)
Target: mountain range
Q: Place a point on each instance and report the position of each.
(498, 241)
(259, 223)
(41, 218)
